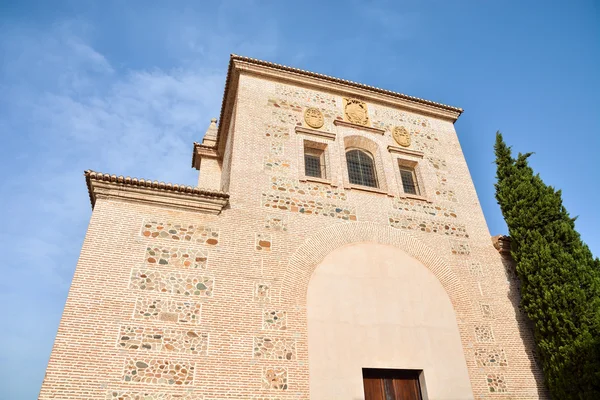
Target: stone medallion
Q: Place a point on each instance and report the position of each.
(313, 117)
(401, 136)
(356, 112)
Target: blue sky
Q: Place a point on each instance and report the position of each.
(125, 87)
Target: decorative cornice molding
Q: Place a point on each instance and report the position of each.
(400, 150)
(155, 193)
(320, 82)
(201, 150)
(344, 82)
(341, 88)
(359, 127)
(315, 132)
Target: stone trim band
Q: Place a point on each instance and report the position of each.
(400, 150)
(359, 127)
(314, 132)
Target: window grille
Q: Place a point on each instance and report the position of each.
(409, 181)
(314, 162)
(361, 169)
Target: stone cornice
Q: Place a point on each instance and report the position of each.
(299, 77)
(359, 127)
(315, 132)
(155, 193)
(400, 150)
(201, 150)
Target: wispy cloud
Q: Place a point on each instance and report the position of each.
(67, 108)
(394, 25)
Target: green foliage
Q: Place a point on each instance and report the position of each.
(560, 279)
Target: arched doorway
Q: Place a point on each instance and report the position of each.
(372, 306)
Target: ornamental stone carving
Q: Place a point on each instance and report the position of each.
(313, 117)
(355, 111)
(401, 136)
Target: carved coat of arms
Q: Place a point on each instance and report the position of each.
(401, 136)
(356, 112)
(313, 117)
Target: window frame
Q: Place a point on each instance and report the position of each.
(414, 165)
(413, 177)
(373, 167)
(319, 155)
(320, 149)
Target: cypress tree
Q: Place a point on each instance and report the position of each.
(560, 279)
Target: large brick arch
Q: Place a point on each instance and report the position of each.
(310, 254)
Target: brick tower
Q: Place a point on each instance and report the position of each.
(334, 248)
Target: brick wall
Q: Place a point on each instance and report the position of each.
(169, 304)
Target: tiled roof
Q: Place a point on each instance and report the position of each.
(280, 67)
(148, 184)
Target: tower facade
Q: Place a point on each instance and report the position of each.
(334, 248)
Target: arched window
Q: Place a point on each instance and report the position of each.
(361, 168)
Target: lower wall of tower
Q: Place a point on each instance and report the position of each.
(170, 304)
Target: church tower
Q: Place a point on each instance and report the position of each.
(334, 248)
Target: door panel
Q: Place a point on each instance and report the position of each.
(388, 384)
(407, 389)
(374, 389)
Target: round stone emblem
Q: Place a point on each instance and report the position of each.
(313, 117)
(356, 112)
(401, 136)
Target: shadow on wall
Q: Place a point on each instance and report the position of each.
(524, 324)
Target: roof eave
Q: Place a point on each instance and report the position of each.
(251, 65)
(201, 150)
(154, 193)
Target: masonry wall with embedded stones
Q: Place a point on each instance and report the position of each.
(171, 304)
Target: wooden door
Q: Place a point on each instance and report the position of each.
(389, 384)
(374, 388)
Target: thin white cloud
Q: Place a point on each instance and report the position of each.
(66, 106)
(67, 110)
